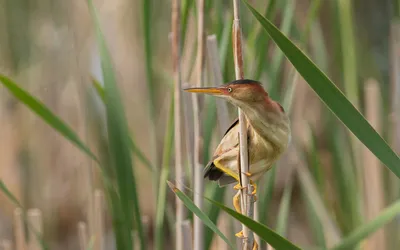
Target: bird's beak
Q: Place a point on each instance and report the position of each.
(210, 91)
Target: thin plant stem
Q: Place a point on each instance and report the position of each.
(82, 235)
(179, 170)
(187, 234)
(247, 201)
(6, 245)
(198, 176)
(213, 59)
(19, 233)
(373, 186)
(162, 192)
(394, 117)
(146, 4)
(99, 220)
(310, 189)
(222, 109)
(35, 220)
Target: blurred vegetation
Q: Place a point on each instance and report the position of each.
(327, 186)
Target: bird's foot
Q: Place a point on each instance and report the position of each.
(236, 203)
(240, 234)
(238, 187)
(248, 174)
(255, 245)
(253, 193)
(255, 188)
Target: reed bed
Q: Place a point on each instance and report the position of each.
(103, 150)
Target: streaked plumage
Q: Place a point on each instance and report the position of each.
(268, 135)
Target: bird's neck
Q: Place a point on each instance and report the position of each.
(271, 127)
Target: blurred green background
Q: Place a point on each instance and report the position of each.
(49, 48)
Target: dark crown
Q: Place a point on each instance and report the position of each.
(245, 81)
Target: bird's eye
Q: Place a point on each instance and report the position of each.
(229, 89)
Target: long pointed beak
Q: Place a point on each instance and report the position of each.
(210, 91)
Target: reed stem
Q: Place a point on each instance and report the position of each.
(373, 192)
(198, 173)
(36, 229)
(82, 235)
(179, 171)
(247, 201)
(19, 232)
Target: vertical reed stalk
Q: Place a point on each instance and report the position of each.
(395, 89)
(222, 115)
(395, 117)
(99, 220)
(19, 233)
(82, 235)
(213, 59)
(6, 245)
(198, 172)
(187, 234)
(373, 186)
(247, 201)
(35, 229)
(179, 174)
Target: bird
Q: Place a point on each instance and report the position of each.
(268, 134)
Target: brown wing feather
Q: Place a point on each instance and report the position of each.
(228, 142)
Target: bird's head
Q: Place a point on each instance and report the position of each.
(265, 115)
(243, 94)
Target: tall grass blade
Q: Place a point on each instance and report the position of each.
(146, 7)
(213, 213)
(135, 149)
(162, 191)
(9, 194)
(41, 110)
(119, 149)
(268, 235)
(332, 233)
(192, 207)
(365, 230)
(284, 207)
(332, 96)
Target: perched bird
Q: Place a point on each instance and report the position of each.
(268, 134)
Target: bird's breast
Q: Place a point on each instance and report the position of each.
(262, 153)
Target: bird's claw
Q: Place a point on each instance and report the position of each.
(255, 246)
(238, 187)
(253, 193)
(241, 236)
(248, 174)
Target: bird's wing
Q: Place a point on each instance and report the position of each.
(223, 147)
(230, 139)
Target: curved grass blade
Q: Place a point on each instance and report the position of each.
(11, 197)
(41, 110)
(136, 150)
(192, 207)
(213, 213)
(9, 194)
(265, 233)
(284, 209)
(162, 188)
(363, 231)
(332, 96)
(119, 149)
